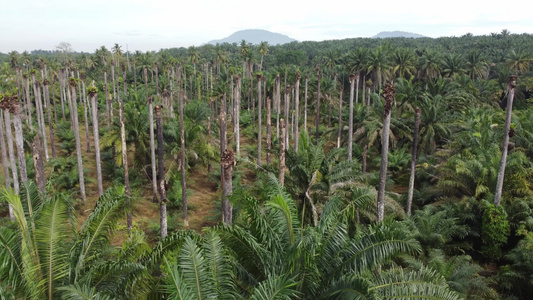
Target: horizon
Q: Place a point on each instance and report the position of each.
(163, 24)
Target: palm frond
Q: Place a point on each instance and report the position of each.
(276, 288)
(81, 292)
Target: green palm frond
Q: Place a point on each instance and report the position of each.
(11, 270)
(421, 284)
(276, 288)
(349, 287)
(175, 285)
(81, 292)
(194, 267)
(219, 265)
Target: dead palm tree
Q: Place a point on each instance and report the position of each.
(161, 174)
(75, 125)
(388, 94)
(92, 92)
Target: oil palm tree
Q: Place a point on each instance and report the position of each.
(379, 66)
(403, 63)
(476, 65)
(518, 61)
(452, 65)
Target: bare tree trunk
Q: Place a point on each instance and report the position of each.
(96, 134)
(259, 117)
(11, 151)
(287, 92)
(74, 113)
(277, 103)
(305, 102)
(108, 103)
(413, 162)
(19, 140)
(388, 93)
(226, 171)
(28, 100)
(85, 104)
(50, 125)
(297, 111)
(152, 147)
(511, 84)
(38, 100)
(340, 121)
(38, 163)
(350, 120)
(269, 130)
(114, 84)
(317, 119)
(156, 79)
(53, 100)
(237, 115)
(183, 164)
(125, 162)
(5, 164)
(135, 76)
(282, 153)
(161, 176)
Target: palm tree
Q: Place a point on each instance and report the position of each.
(350, 120)
(75, 125)
(413, 162)
(379, 66)
(92, 92)
(518, 61)
(259, 118)
(388, 94)
(152, 142)
(161, 182)
(403, 63)
(263, 50)
(452, 65)
(183, 163)
(476, 65)
(429, 64)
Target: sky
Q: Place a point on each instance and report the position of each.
(158, 24)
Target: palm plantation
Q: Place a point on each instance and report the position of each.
(349, 204)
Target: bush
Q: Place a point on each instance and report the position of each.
(495, 230)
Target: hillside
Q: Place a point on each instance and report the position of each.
(254, 36)
(393, 34)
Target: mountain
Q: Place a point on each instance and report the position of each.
(393, 34)
(255, 36)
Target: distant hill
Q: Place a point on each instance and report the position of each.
(255, 36)
(393, 34)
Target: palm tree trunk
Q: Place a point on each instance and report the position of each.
(50, 125)
(413, 162)
(85, 104)
(363, 163)
(317, 118)
(114, 84)
(259, 117)
(152, 148)
(39, 102)
(125, 163)
(5, 163)
(277, 104)
(11, 151)
(286, 104)
(269, 130)
(511, 84)
(38, 163)
(108, 103)
(297, 112)
(53, 100)
(226, 170)
(340, 120)
(388, 93)
(282, 153)
(350, 120)
(19, 141)
(161, 174)
(183, 164)
(74, 113)
(156, 79)
(305, 102)
(96, 134)
(237, 113)
(28, 101)
(135, 75)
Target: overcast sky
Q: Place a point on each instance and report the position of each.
(152, 25)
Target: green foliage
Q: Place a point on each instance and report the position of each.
(495, 230)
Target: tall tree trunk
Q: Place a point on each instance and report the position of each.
(161, 174)
(277, 104)
(28, 100)
(114, 84)
(226, 172)
(305, 102)
(53, 100)
(183, 164)
(152, 148)
(157, 79)
(237, 115)
(5, 164)
(388, 94)
(413, 162)
(259, 117)
(38, 163)
(11, 151)
(287, 92)
(50, 125)
(297, 111)
(350, 119)
(340, 120)
(511, 84)
(317, 118)
(74, 113)
(269, 130)
(39, 103)
(363, 164)
(107, 101)
(85, 107)
(125, 162)
(282, 153)
(135, 76)
(96, 134)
